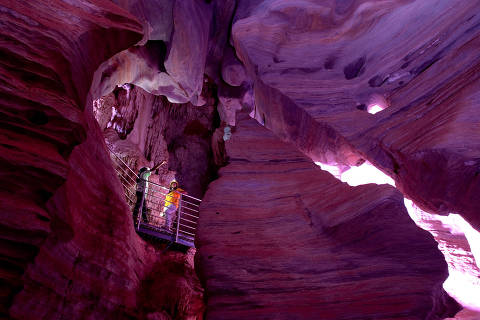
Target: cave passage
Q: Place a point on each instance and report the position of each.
(133, 128)
(463, 282)
(158, 211)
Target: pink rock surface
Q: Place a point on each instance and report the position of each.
(223, 12)
(67, 245)
(280, 238)
(150, 129)
(173, 64)
(46, 69)
(233, 72)
(156, 15)
(188, 54)
(93, 264)
(317, 66)
(67, 242)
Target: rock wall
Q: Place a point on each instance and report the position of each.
(149, 129)
(280, 238)
(41, 112)
(93, 265)
(68, 248)
(309, 71)
(317, 68)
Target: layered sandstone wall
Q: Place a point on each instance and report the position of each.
(93, 265)
(280, 238)
(46, 68)
(308, 71)
(68, 245)
(317, 67)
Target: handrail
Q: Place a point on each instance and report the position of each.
(130, 185)
(153, 199)
(126, 174)
(111, 152)
(185, 195)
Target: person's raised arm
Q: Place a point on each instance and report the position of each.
(155, 167)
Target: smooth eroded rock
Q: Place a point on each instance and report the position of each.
(280, 238)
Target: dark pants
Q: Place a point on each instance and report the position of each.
(140, 197)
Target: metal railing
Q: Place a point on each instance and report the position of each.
(184, 220)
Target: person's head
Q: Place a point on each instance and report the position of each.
(143, 169)
(173, 185)
(227, 133)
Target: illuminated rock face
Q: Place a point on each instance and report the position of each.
(280, 238)
(172, 63)
(460, 244)
(310, 71)
(317, 67)
(146, 130)
(93, 264)
(45, 72)
(67, 242)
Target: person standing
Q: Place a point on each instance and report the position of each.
(172, 201)
(142, 191)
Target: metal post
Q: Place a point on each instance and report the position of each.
(179, 212)
(140, 210)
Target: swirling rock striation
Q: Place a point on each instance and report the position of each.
(46, 68)
(317, 66)
(68, 247)
(280, 238)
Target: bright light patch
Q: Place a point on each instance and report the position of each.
(374, 108)
(355, 176)
(463, 282)
(366, 173)
(464, 288)
(472, 235)
(334, 170)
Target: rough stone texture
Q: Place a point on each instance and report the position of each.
(316, 66)
(280, 238)
(45, 72)
(153, 130)
(67, 245)
(93, 265)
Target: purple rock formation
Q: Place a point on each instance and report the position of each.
(280, 238)
(164, 79)
(315, 65)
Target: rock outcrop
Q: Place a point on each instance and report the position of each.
(68, 247)
(46, 68)
(149, 130)
(93, 264)
(280, 238)
(172, 67)
(318, 66)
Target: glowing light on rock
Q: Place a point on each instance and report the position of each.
(463, 282)
(374, 108)
(355, 176)
(333, 169)
(463, 287)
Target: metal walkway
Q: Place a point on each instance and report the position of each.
(185, 220)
